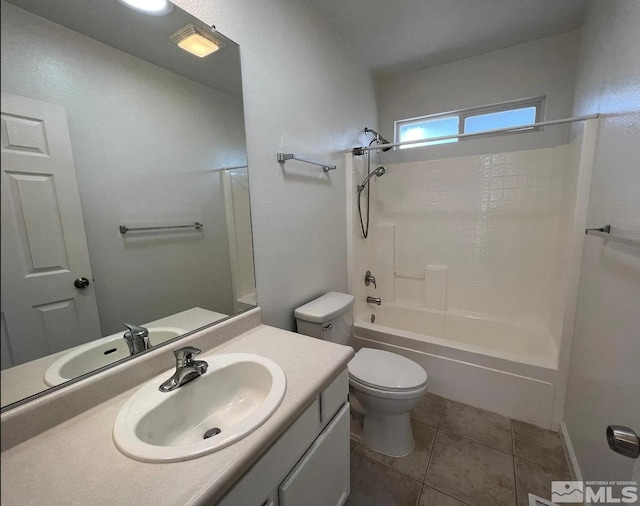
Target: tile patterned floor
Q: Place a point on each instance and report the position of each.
(464, 456)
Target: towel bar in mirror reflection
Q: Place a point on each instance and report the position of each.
(124, 229)
(119, 129)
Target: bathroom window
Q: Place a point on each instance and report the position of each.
(478, 119)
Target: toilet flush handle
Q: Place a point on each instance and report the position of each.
(328, 327)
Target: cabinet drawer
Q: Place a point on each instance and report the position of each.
(321, 477)
(333, 397)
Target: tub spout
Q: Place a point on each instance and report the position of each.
(374, 300)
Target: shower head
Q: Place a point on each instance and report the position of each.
(379, 139)
(380, 171)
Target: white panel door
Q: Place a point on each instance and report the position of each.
(44, 246)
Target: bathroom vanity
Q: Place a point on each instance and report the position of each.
(60, 447)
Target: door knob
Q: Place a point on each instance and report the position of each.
(624, 441)
(81, 283)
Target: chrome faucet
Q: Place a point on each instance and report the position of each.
(374, 300)
(137, 338)
(369, 278)
(187, 368)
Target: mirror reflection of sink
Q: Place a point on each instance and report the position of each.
(91, 356)
(236, 395)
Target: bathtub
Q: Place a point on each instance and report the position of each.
(503, 366)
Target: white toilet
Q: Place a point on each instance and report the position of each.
(383, 387)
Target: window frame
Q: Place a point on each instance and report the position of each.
(463, 114)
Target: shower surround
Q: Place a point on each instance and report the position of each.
(476, 263)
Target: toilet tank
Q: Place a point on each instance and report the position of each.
(329, 317)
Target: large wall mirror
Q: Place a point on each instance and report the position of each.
(125, 194)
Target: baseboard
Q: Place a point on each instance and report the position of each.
(570, 453)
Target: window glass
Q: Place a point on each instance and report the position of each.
(427, 129)
(500, 119)
(475, 120)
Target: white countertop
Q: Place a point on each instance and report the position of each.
(77, 462)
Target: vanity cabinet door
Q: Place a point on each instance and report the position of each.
(259, 485)
(321, 477)
(333, 397)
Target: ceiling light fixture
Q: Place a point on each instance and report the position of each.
(196, 41)
(152, 7)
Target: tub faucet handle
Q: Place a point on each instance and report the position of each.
(370, 278)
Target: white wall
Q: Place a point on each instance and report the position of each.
(304, 93)
(542, 67)
(126, 175)
(604, 381)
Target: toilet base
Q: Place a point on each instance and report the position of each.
(390, 435)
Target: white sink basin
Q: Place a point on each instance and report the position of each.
(237, 394)
(107, 350)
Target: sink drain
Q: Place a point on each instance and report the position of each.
(212, 432)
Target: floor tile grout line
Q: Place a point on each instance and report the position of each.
(425, 398)
(442, 408)
(423, 423)
(462, 437)
(447, 494)
(419, 495)
(546, 468)
(544, 431)
(353, 450)
(385, 465)
(433, 447)
(477, 442)
(435, 487)
(533, 439)
(433, 444)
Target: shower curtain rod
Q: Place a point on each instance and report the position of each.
(361, 150)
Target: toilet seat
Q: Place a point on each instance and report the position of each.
(382, 371)
(387, 394)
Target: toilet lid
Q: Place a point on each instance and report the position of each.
(385, 370)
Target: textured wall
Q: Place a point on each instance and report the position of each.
(604, 382)
(303, 93)
(125, 175)
(542, 67)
